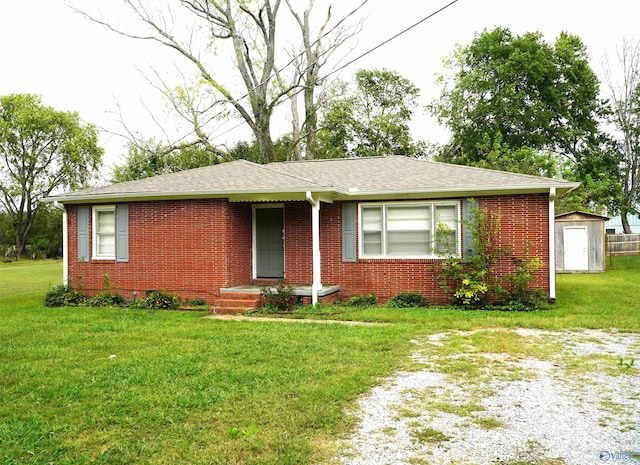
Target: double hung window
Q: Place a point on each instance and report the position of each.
(409, 230)
(104, 232)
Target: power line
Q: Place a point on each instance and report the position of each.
(340, 68)
(371, 50)
(382, 44)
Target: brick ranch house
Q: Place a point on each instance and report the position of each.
(352, 226)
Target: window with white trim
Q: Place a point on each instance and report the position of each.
(104, 232)
(409, 229)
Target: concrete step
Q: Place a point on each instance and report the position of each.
(236, 302)
(240, 295)
(228, 310)
(255, 303)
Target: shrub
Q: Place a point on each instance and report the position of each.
(367, 300)
(160, 300)
(56, 296)
(107, 299)
(472, 281)
(408, 300)
(528, 300)
(63, 295)
(469, 281)
(198, 302)
(282, 298)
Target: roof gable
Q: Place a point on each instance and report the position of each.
(580, 215)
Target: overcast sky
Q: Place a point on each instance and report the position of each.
(48, 49)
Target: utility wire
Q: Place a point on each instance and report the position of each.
(359, 57)
(271, 76)
(382, 44)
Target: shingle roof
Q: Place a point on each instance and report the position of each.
(337, 178)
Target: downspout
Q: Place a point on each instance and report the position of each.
(65, 244)
(315, 246)
(552, 245)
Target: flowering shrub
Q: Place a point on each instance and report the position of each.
(470, 293)
(465, 281)
(472, 282)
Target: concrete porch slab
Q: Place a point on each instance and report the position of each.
(303, 290)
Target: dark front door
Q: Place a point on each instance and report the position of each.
(269, 243)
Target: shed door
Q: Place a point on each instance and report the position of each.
(269, 229)
(576, 256)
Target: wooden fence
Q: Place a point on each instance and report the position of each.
(623, 244)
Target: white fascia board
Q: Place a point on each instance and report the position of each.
(234, 195)
(450, 193)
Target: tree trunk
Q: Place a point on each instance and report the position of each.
(295, 127)
(625, 222)
(20, 244)
(262, 131)
(311, 123)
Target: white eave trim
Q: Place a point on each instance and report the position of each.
(325, 194)
(233, 195)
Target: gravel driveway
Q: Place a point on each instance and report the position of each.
(550, 398)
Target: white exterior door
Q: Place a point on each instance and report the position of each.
(576, 249)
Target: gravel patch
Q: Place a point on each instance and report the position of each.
(575, 404)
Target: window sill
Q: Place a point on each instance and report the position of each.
(402, 259)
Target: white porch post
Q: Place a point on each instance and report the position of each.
(552, 244)
(65, 245)
(315, 246)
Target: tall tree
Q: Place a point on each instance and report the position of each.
(205, 33)
(41, 150)
(526, 93)
(532, 93)
(624, 98)
(372, 118)
(247, 28)
(309, 59)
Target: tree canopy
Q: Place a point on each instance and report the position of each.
(521, 92)
(370, 118)
(41, 150)
(152, 158)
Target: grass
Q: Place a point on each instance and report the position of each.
(429, 436)
(116, 386)
(593, 301)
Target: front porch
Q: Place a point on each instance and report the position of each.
(244, 297)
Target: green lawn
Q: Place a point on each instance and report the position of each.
(116, 386)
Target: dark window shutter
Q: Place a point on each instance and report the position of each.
(468, 246)
(122, 236)
(348, 232)
(83, 234)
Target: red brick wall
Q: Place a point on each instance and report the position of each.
(190, 248)
(194, 247)
(524, 219)
(298, 255)
(524, 225)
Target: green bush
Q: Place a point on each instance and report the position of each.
(408, 300)
(160, 300)
(282, 298)
(56, 296)
(367, 300)
(528, 300)
(197, 302)
(64, 295)
(107, 299)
